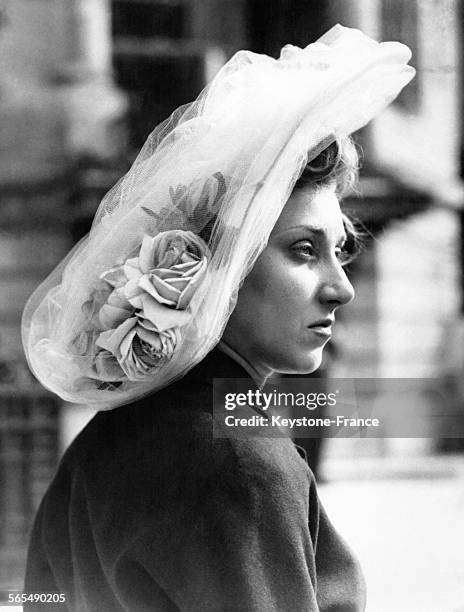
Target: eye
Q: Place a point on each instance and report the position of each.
(304, 249)
(344, 255)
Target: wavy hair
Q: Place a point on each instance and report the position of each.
(337, 165)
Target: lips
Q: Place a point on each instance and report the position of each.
(322, 331)
(322, 327)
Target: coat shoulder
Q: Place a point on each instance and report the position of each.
(163, 443)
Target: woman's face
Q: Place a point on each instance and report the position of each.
(286, 305)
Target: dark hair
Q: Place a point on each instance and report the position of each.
(337, 165)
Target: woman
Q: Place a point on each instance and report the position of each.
(227, 226)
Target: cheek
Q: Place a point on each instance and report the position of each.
(266, 288)
(276, 295)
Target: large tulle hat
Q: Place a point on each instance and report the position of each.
(147, 294)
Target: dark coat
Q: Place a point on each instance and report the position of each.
(149, 512)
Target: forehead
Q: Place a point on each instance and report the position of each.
(319, 208)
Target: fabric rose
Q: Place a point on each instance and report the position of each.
(138, 345)
(97, 298)
(147, 305)
(116, 310)
(169, 268)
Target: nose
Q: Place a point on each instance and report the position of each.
(336, 289)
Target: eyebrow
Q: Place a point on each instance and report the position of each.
(315, 229)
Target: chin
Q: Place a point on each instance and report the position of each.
(312, 364)
(306, 363)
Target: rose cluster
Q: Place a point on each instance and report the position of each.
(139, 307)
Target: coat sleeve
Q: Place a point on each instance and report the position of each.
(237, 541)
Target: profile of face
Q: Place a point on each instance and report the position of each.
(286, 305)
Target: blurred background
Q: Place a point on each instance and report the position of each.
(83, 82)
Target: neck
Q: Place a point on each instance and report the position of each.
(259, 375)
